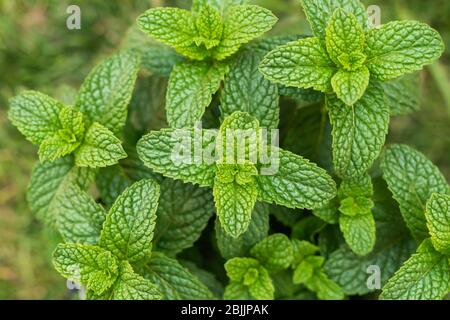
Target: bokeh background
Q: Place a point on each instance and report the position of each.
(38, 52)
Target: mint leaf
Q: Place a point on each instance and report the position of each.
(237, 268)
(173, 280)
(359, 232)
(190, 91)
(258, 229)
(275, 252)
(48, 182)
(106, 92)
(438, 221)
(157, 149)
(325, 288)
(81, 218)
(401, 47)
(236, 291)
(412, 179)
(297, 184)
(209, 27)
(89, 265)
(403, 94)
(35, 115)
(245, 89)
(350, 86)
(128, 228)
(319, 13)
(183, 214)
(359, 131)
(243, 23)
(100, 148)
(425, 276)
(303, 63)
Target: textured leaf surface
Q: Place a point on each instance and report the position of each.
(425, 276)
(401, 47)
(190, 91)
(129, 225)
(359, 132)
(275, 252)
(243, 23)
(35, 115)
(173, 280)
(319, 13)
(106, 92)
(245, 89)
(303, 63)
(350, 86)
(183, 213)
(157, 150)
(80, 219)
(412, 179)
(209, 27)
(100, 148)
(297, 184)
(359, 232)
(403, 94)
(438, 221)
(236, 291)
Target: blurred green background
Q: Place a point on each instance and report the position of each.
(38, 52)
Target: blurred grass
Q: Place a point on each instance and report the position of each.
(38, 52)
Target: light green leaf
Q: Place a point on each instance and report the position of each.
(412, 179)
(236, 291)
(301, 250)
(35, 115)
(209, 27)
(89, 265)
(401, 47)
(100, 148)
(80, 219)
(359, 232)
(403, 95)
(129, 225)
(183, 214)
(359, 131)
(319, 13)
(245, 89)
(257, 230)
(262, 288)
(172, 153)
(356, 187)
(350, 86)
(173, 280)
(438, 221)
(106, 92)
(190, 91)
(303, 63)
(325, 288)
(303, 272)
(298, 183)
(48, 182)
(425, 276)
(237, 268)
(243, 23)
(275, 252)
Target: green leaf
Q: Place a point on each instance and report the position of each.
(438, 221)
(412, 179)
(221, 5)
(258, 229)
(174, 27)
(172, 153)
(301, 250)
(353, 207)
(401, 47)
(89, 265)
(100, 148)
(81, 218)
(209, 27)
(245, 89)
(173, 280)
(190, 91)
(111, 182)
(275, 252)
(356, 187)
(183, 214)
(359, 232)
(106, 92)
(49, 181)
(325, 288)
(303, 63)
(425, 276)
(350, 86)
(319, 13)
(243, 23)
(128, 228)
(303, 272)
(403, 94)
(35, 115)
(345, 40)
(131, 286)
(298, 183)
(237, 268)
(236, 291)
(262, 288)
(234, 204)
(359, 131)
